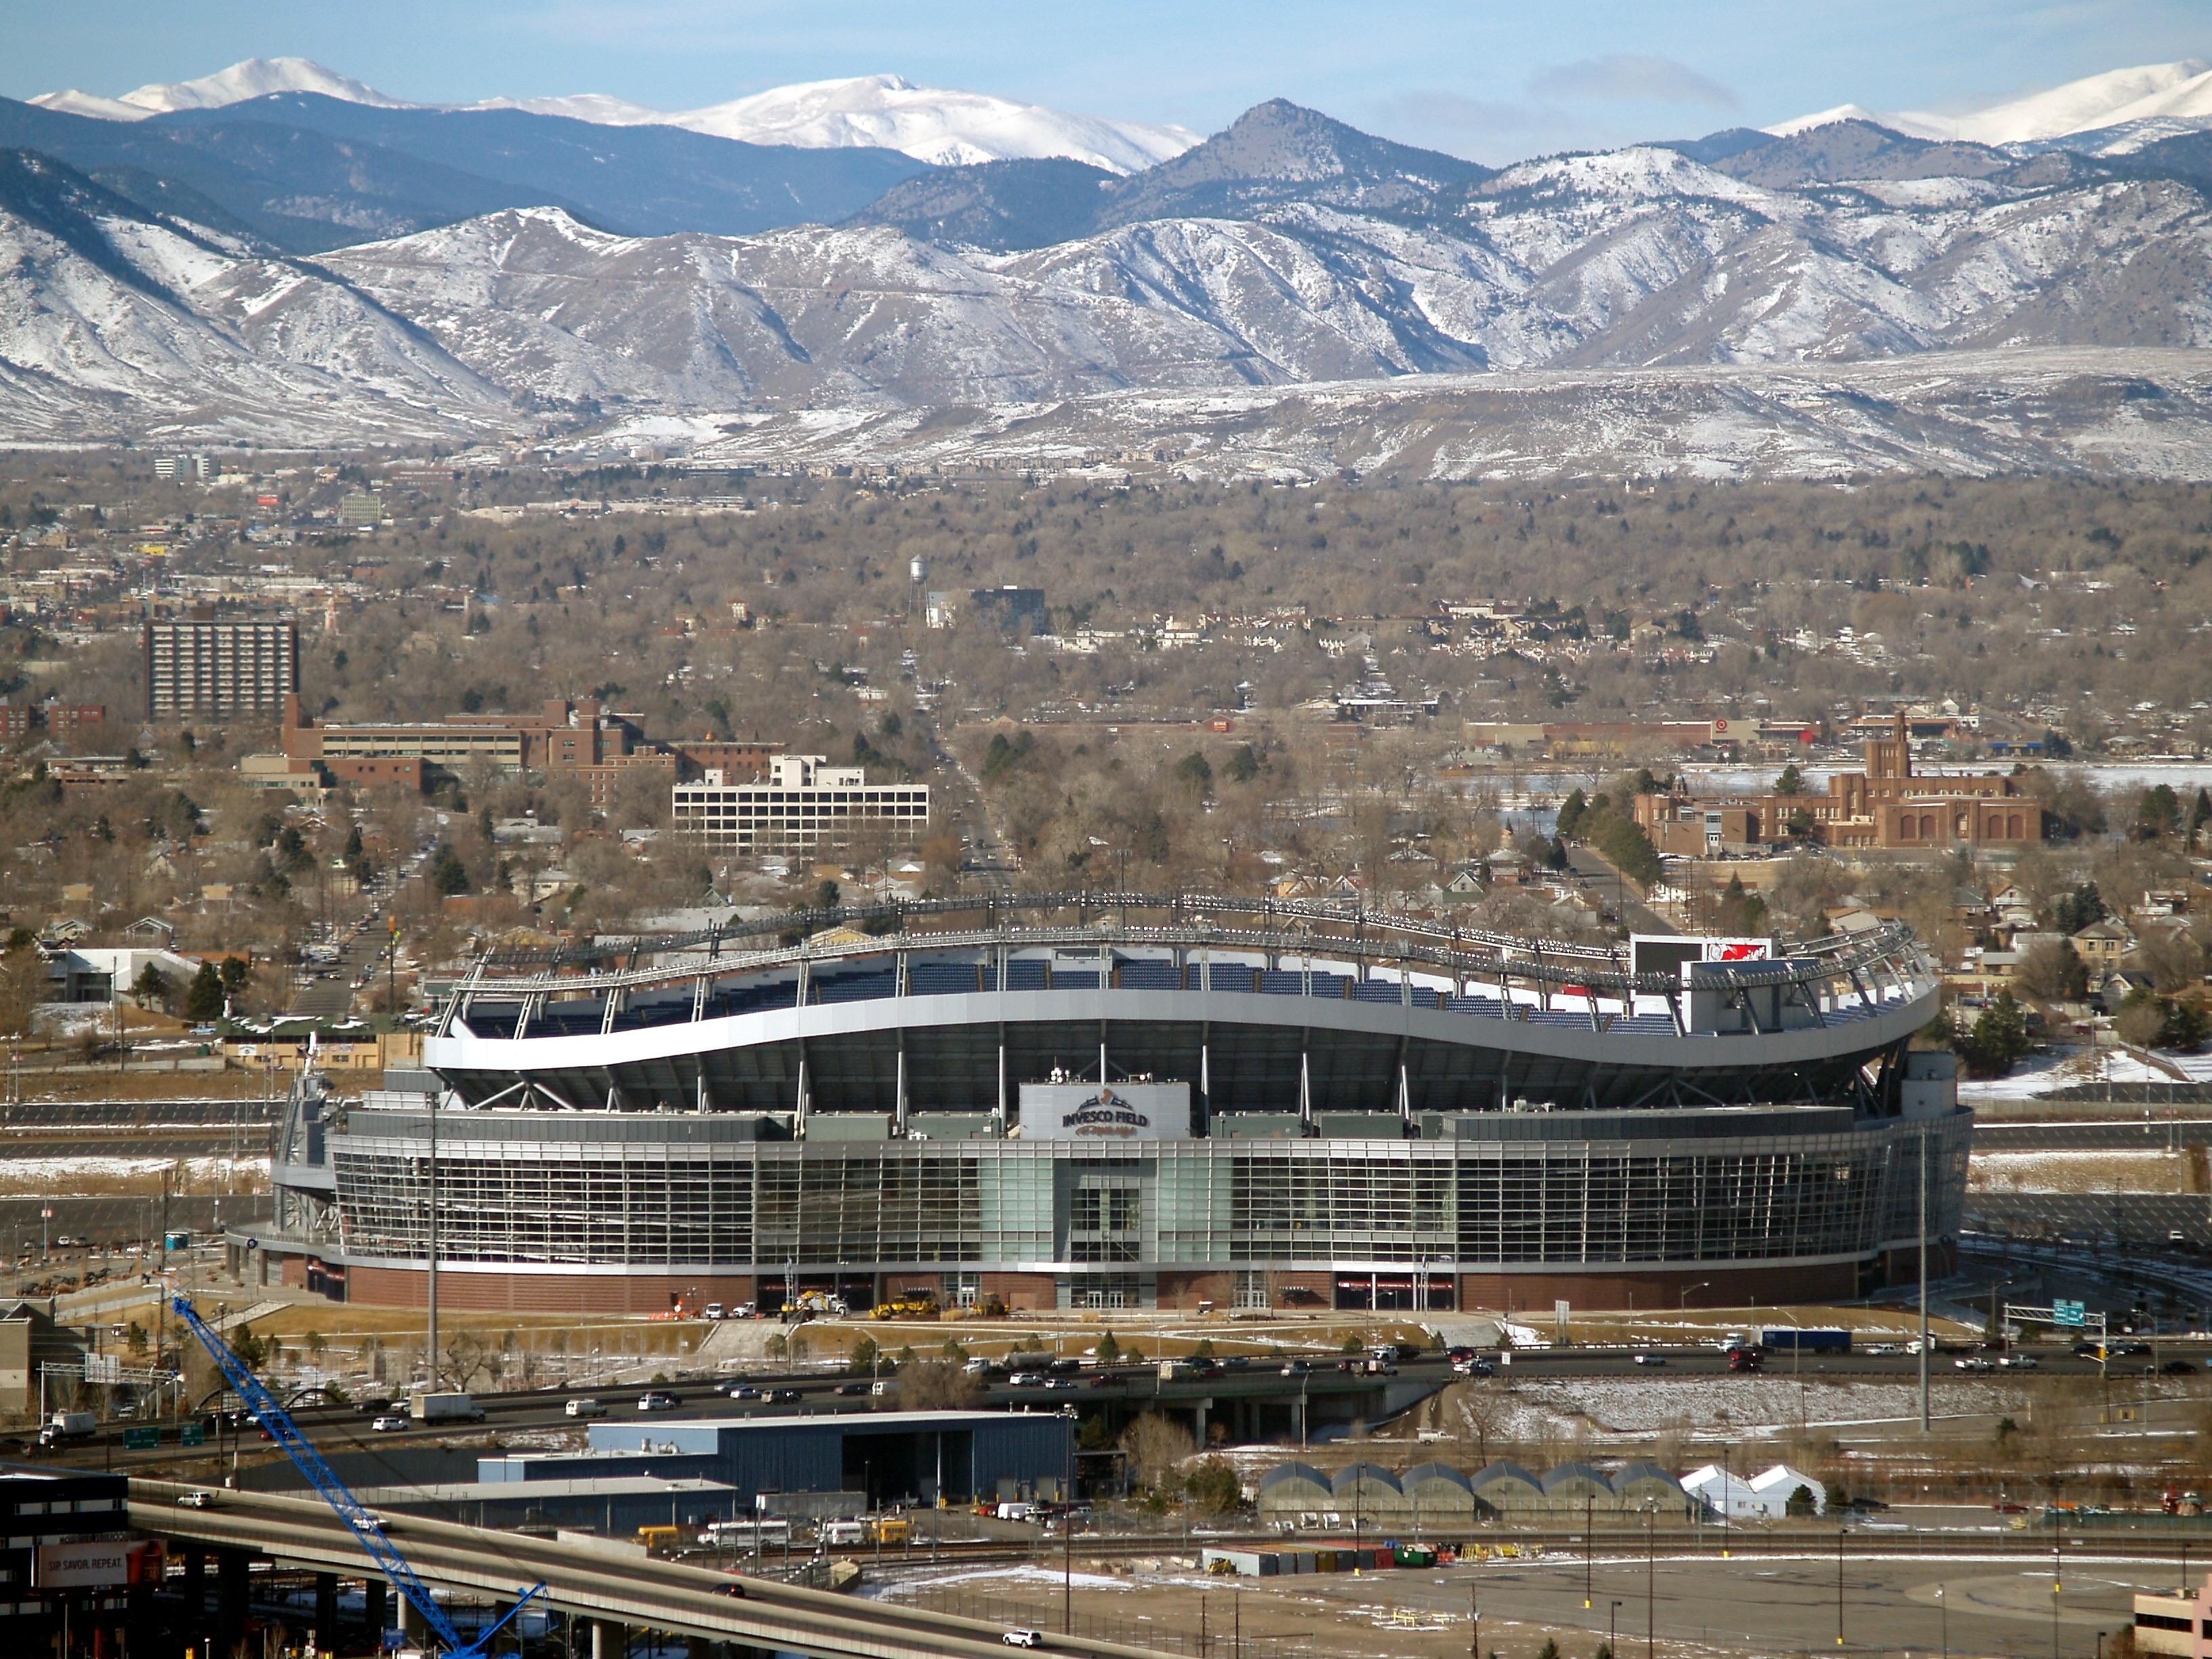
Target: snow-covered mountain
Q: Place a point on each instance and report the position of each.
(886, 112)
(256, 78)
(933, 124)
(1846, 246)
(2179, 91)
(114, 325)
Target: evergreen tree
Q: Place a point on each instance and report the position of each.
(204, 996)
(1791, 782)
(152, 987)
(1996, 1041)
(1573, 811)
(449, 876)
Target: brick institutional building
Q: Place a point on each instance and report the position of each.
(1885, 807)
(577, 740)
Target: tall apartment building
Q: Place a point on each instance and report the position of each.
(220, 668)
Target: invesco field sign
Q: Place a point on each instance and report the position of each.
(1118, 1111)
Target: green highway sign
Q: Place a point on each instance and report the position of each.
(143, 1439)
(192, 1434)
(2069, 1313)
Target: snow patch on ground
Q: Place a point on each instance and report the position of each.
(2095, 1171)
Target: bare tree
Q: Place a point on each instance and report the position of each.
(936, 1385)
(1154, 1446)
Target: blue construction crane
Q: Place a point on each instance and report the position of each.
(350, 1510)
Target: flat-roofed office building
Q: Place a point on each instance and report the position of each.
(804, 802)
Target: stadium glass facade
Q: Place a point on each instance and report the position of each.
(588, 1156)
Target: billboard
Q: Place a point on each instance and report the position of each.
(1114, 1111)
(100, 1566)
(1665, 953)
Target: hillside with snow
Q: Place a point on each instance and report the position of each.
(1842, 299)
(2178, 93)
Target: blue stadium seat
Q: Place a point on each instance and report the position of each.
(1077, 980)
(1150, 977)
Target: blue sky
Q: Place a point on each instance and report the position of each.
(1492, 81)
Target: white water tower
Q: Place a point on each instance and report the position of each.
(917, 567)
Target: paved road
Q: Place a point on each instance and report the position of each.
(1598, 875)
(1770, 1606)
(2133, 1219)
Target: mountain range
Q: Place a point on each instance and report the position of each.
(1279, 266)
(930, 123)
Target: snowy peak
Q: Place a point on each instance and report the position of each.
(930, 123)
(2179, 90)
(256, 78)
(936, 124)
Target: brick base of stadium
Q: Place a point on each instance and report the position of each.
(1533, 1294)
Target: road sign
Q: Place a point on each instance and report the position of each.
(192, 1434)
(2069, 1313)
(103, 1368)
(145, 1439)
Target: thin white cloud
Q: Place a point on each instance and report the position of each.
(1629, 76)
(1448, 111)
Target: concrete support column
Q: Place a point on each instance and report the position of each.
(372, 1593)
(326, 1611)
(609, 1639)
(230, 1583)
(195, 1589)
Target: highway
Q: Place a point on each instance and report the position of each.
(624, 1590)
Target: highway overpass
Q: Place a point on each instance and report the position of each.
(612, 1591)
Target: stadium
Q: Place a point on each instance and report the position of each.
(1083, 1101)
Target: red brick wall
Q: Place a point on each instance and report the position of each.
(1533, 1294)
(505, 1292)
(1188, 1290)
(1031, 1291)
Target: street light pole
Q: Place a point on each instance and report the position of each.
(1841, 1531)
(1588, 1507)
(1923, 1282)
(1612, 1629)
